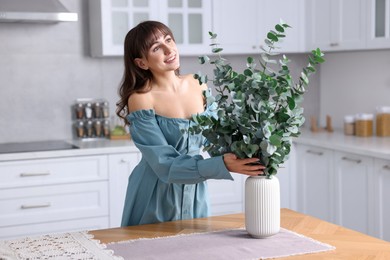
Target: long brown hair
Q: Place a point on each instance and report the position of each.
(138, 41)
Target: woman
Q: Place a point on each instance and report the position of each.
(157, 103)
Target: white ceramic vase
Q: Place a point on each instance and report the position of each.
(262, 206)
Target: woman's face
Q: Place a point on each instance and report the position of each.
(162, 56)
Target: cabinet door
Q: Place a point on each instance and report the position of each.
(243, 29)
(378, 24)
(336, 24)
(291, 12)
(226, 196)
(353, 184)
(190, 22)
(382, 198)
(110, 20)
(314, 165)
(120, 168)
(236, 26)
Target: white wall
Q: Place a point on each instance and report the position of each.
(45, 67)
(354, 82)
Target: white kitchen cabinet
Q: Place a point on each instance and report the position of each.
(190, 22)
(291, 12)
(110, 20)
(120, 168)
(336, 24)
(381, 198)
(314, 183)
(242, 29)
(54, 190)
(226, 196)
(353, 191)
(378, 24)
(288, 181)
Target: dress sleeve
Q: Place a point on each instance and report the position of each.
(168, 164)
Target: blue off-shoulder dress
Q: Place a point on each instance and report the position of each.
(169, 182)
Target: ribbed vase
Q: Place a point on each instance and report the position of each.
(262, 206)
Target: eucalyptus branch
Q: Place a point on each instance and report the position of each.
(263, 113)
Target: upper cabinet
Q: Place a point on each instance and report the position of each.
(110, 20)
(242, 28)
(190, 22)
(339, 25)
(332, 25)
(336, 24)
(379, 24)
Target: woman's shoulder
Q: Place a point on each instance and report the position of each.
(140, 101)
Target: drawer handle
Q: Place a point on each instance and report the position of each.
(351, 160)
(315, 152)
(35, 174)
(386, 167)
(45, 205)
(124, 161)
(334, 44)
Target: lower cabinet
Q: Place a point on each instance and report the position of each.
(347, 189)
(226, 196)
(381, 198)
(353, 179)
(120, 167)
(314, 194)
(53, 195)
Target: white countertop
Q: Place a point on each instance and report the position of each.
(378, 147)
(373, 146)
(94, 147)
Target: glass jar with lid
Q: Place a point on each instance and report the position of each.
(383, 121)
(349, 125)
(364, 124)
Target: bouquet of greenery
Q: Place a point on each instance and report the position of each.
(257, 111)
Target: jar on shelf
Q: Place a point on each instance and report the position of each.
(364, 124)
(97, 108)
(349, 125)
(106, 128)
(89, 128)
(105, 109)
(88, 111)
(383, 121)
(79, 110)
(80, 130)
(98, 128)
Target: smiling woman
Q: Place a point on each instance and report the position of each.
(156, 102)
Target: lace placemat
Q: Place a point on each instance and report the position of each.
(225, 245)
(76, 245)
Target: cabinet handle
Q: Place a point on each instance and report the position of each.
(386, 167)
(351, 160)
(334, 44)
(124, 161)
(254, 47)
(45, 205)
(315, 152)
(35, 174)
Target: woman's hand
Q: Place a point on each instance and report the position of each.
(234, 164)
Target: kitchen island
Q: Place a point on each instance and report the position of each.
(349, 244)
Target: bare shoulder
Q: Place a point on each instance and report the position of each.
(140, 101)
(192, 82)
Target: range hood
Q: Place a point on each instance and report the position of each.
(35, 11)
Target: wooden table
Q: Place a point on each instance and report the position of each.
(349, 244)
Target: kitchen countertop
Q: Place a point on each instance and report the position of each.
(378, 147)
(349, 244)
(374, 146)
(93, 147)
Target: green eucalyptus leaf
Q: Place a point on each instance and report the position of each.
(272, 36)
